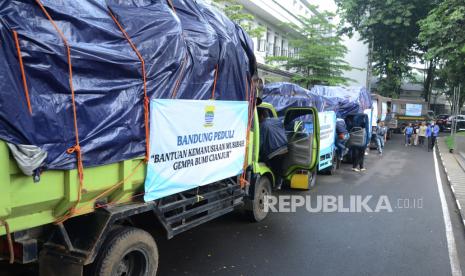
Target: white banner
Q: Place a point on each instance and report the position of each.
(327, 130)
(375, 113)
(383, 111)
(413, 109)
(194, 143)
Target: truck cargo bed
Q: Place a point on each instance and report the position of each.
(25, 204)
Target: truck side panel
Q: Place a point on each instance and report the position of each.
(25, 204)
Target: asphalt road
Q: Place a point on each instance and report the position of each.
(406, 241)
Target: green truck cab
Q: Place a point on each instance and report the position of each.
(303, 131)
(112, 216)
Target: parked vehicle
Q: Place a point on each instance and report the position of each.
(405, 111)
(32, 209)
(302, 127)
(382, 113)
(458, 121)
(283, 96)
(441, 121)
(84, 206)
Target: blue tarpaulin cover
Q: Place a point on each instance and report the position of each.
(181, 48)
(350, 100)
(283, 95)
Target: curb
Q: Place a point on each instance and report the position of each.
(450, 184)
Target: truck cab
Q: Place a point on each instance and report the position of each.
(299, 164)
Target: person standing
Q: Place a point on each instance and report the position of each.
(416, 129)
(408, 134)
(381, 137)
(358, 157)
(422, 134)
(434, 135)
(429, 132)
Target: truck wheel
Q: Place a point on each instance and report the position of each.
(261, 190)
(334, 165)
(127, 251)
(331, 170)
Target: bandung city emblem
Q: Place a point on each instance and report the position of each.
(209, 116)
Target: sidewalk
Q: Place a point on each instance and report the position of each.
(454, 167)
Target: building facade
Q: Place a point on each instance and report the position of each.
(272, 16)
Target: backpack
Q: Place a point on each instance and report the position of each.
(357, 137)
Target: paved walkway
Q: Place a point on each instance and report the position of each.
(454, 166)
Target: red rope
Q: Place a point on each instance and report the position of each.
(178, 81)
(9, 240)
(251, 99)
(23, 74)
(144, 78)
(214, 82)
(172, 6)
(76, 148)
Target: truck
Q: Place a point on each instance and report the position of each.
(72, 216)
(405, 111)
(110, 232)
(282, 96)
(382, 113)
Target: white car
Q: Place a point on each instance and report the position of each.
(459, 120)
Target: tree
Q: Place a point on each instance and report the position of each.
(321, 52)
(234, 11)
(391, 26)
(443, 34)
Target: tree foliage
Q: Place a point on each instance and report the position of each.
(443, 34)
(392, 28)
(235, 12)
(320, 59)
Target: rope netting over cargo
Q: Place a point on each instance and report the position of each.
(78, 74)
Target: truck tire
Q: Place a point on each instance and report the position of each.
(127, 251)
(331, 170)
(262, 188)
(338, 162)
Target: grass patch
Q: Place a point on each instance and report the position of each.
(450, 140)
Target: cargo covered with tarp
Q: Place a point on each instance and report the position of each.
(350, 100)
(283, 95)
(114, 56)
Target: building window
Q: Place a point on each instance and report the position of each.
(283, 48)
(261, 45)
(277, 48)
(269, 49)
(277, 51)
(296, 52)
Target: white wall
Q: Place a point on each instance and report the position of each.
(358, 50)
(271, 13)
(357, 57)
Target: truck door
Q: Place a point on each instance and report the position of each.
(303, 132)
